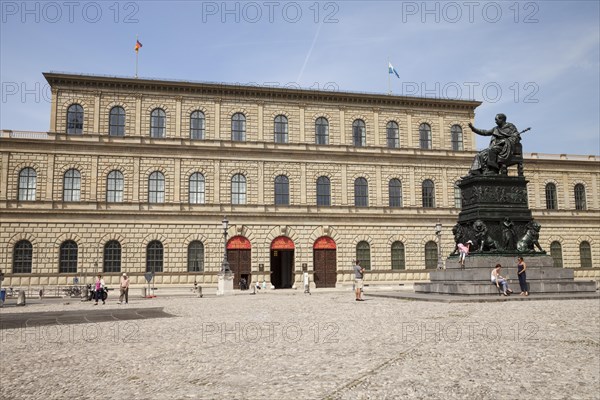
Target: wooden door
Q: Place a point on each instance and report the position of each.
(239, 263)
(325, 269)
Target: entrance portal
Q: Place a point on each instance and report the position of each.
(282, 263)
(239, 258)
(324, 259)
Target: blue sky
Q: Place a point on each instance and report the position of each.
(537, 62)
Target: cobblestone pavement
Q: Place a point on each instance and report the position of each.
(286, 344)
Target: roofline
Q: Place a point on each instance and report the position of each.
(179, 87)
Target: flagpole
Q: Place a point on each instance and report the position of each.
(137, 52)
(389, 79)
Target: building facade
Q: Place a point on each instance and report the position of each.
(137, 175)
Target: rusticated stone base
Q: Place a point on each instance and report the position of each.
(475, 278)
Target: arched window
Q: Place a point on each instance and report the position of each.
(154, 257)
(282, 190)
(551, 196)
(156, 187)
(67, 263)
(425, 136)
(238, 189)
(580, 203)
(196, 256)
(395, 193)
(322, 131)
(238, 127)
(72, 185)
(428, 193)
(431, 255)
(359, 133)
(75, 119)
(27, 184)
(398, 261)
(197, 188)
(556, 254)
(456, 134)
(116, 121)
(281, 129)
(22, 257)
(158, 123)
(114, 187)
(363, 254)
(361, 192)
(393, 135)
(457, 196)
(112, 257)
(585, 255)
(197, 125)
(323, 191)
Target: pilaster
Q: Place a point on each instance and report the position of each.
(177, 181)
(377, 141)
(4, 179)
(53, 110)
(136, 180)
(96, 123)
(409, 130)
(178, 117)
(261, 121)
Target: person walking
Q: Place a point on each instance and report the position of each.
(521, 267)
(99, 286)
(124, 286)
(358, 280)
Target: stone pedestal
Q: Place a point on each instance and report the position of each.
(225, 284)
(475, 278)
(491, 200)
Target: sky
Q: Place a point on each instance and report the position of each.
(536, 61)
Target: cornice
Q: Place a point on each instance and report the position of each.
(223, 90)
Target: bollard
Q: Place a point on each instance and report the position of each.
(199, 291)
(143, 293)
(21, 298)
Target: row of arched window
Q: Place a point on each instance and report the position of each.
(552, 198)
(158, 127)
(68, 256)
(115, 186)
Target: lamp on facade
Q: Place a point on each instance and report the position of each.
(225, 264)
(438, 233)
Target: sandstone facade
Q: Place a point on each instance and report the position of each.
(92, 221)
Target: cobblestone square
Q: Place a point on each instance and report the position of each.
(286, 344)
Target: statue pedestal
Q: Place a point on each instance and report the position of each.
(496, 217)
(491, 199)
(475, 278)
(225, 283)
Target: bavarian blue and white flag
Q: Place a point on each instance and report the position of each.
(392, 70)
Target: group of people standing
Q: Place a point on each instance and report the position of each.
(502, 283)
(496, 278)
(100, 288)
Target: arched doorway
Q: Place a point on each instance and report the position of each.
(238, 255)
(324, 261)
(282, 262)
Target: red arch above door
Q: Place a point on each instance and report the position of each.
(324, 242)
(282, 243)
(238, 242)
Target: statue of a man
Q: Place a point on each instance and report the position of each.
(504, 137)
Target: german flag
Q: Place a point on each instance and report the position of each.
(138, 45)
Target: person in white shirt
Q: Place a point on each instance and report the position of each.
(500, 281)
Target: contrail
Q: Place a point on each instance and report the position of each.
(312, 46)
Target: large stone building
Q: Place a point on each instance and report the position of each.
(136, 175)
